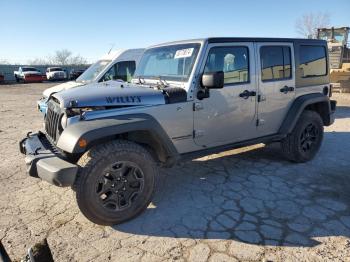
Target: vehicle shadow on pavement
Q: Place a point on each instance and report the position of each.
(255, 197)
(343, 112)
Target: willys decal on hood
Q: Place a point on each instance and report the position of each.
(111, 93)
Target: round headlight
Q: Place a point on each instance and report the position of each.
(64, 121)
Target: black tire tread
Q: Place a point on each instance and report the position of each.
(89, 160)
(289, 145)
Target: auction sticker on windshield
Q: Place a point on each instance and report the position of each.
(182, 53)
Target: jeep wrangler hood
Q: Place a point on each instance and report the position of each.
(61, 87)
(111, 93)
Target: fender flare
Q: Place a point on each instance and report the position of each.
(299, 106)
(97, 129)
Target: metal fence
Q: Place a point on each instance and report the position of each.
(7, 70)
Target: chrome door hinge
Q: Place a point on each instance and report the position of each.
(260, 122)
(197, 106)
(198, 133)
(261, 98)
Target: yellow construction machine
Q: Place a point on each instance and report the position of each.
(339, 56)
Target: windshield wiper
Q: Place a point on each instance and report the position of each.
(141, 80)
(162, 83)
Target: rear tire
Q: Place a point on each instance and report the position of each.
(306, 138)
(115, 182)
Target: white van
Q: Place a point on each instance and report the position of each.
(116, 65)
(120, 64)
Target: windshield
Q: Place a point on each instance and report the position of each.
(325, 35)
(339, 36)
(93, 71)
(55, 69)
(26, 69)
(173, 62)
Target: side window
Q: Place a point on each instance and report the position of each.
(125, 70)
(233, 61)
(120, 71)
(275, 63)
(312, 61)
(109, 75)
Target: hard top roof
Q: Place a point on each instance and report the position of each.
(260, 39)
(242, 39)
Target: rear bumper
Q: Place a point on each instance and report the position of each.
(43, 163)
(33, 78)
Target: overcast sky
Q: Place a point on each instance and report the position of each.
(35, 29)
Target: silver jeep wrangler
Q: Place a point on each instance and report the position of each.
(187, 99)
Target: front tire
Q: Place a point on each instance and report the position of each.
(306, 138)
(115, 182)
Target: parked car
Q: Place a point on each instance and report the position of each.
(28, 74)
(188, 99)
(55, 73)
(75, 73)
(120, 64)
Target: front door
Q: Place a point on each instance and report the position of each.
(229, 114)
(276, 76)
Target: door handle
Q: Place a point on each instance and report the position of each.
(246, 93)
(286, 89)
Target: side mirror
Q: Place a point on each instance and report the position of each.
(213, 80)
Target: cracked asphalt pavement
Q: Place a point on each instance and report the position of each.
(247, 204)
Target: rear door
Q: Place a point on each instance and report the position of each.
(276, 81)
(229, 114)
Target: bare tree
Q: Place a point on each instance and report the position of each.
(307, 25)
(61, 57)
(77, 60)
(65, 57)
(39, 61)
(4, 62)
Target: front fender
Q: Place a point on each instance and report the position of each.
(97, 129)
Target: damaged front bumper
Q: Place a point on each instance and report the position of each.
(44, 163)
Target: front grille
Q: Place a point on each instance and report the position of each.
(52, 120)
(49, 145)
(59, 74)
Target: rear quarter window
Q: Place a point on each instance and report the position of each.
(312, 61)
